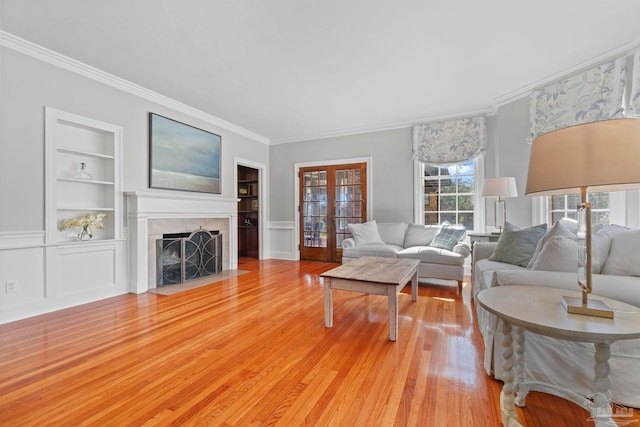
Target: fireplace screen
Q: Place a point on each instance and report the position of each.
(187, 256)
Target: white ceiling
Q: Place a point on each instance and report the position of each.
(301, 69)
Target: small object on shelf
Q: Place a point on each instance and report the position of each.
(84, 225)
(243, 191)
(247, 221)
(254, 205)
(82, 173)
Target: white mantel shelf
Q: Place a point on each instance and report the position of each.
(164, 204)
(146, 205)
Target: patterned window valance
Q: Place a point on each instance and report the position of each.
(450, 142)
(591, 95)
(634, 99)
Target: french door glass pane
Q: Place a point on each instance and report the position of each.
(348, 205)
(315, 209)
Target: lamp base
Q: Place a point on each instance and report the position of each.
(594, 307)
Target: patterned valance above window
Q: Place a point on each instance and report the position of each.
(450, 142)
(591, 95)
(634, 99)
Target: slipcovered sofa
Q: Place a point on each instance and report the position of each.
(553, 263)
(440, 248)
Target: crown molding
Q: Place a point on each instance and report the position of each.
(54, 58)
(381, 126)
(525, 91)
(31, 49)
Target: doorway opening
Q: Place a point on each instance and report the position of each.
(248, 211)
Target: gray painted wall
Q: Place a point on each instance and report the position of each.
(393, 179)
(391, 171)
(507, 155)
(27, 85)
(511, 157)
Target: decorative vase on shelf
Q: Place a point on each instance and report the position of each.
(82, 173)
(85, 232)
(84, 225)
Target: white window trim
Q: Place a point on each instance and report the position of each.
(478, 200)
(617, 208)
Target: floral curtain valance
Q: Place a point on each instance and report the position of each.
(450, 142)
(634, 98)
(591, 95)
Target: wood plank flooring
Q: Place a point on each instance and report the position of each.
(252, 350)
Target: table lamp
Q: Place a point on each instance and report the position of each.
(587, 158)
(502, 188)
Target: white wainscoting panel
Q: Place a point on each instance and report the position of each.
(36, 278)
(282, 239)
(21, 278)
(83, 271)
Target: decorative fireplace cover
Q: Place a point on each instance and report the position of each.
(184, 257)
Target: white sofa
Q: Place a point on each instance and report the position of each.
(559, 362)
(401, 240)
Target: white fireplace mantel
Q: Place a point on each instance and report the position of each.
(143, 206)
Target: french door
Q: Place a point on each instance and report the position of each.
(330, 198)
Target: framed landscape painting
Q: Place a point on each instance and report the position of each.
(182, 157)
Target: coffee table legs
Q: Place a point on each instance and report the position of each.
(328, 303)
(392, 297)
(390, 290)
(414, 287)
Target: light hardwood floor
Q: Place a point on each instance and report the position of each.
(252, 350)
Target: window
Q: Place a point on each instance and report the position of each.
(449, 194)
(565, 206)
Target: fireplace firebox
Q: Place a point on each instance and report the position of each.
(182, 257)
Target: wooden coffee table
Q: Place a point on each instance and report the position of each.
(372, 275)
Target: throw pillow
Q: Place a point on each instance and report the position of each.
(419, 235)
(448, 237)
(558, 229)
(624, 256)
(392, 232)
(366, 233)
(601, 236)
(516, 246)
(559, 253)
(570, 224)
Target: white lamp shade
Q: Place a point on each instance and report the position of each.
(502, 187)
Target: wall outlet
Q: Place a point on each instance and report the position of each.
(10, 287)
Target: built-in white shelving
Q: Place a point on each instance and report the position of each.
(86, 270)
(74, 140)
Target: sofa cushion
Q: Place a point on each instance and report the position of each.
(601, 236)
(429, 254)
(624, 256)
(366, 233)
(388, 251)
(392, 232)
(448, 236)
(559, 253)
(420, 235)
(558, 229)
(516, 246)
